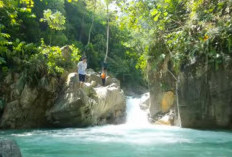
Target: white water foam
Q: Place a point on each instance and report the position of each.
(135, 116)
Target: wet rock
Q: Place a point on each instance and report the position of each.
(165, 118)
(9, 148)
(144, 105)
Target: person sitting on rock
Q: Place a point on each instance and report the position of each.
(82, 66)
(103, 77)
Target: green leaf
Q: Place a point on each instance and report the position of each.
(156, 18)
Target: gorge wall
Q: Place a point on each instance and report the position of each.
(203, 98)
(162, 95)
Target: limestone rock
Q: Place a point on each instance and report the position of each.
(144, 105)
(78, 107)
(9, 148)
(27, 110)
(71, 106)
(15, 116)
(110, 104)
(110, 80)
(163, 121)
(205, 99)
(66, 52)
(93, 83)
(160, 82)
(28, 96)
(69, 109)
(8, 119)
(204, 94)
(88, 89)
(93, 76)
(166, 119)
(167, 101)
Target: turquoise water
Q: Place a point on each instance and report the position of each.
(121, 141)
(133, 139)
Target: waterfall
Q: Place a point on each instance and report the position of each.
(135, 116)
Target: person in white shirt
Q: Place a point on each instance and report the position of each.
(82, 66)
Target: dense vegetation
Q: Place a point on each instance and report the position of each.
(181, 31)
(32, 33)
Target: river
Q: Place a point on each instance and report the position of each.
(135, 138)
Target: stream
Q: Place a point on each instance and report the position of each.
(135, 138)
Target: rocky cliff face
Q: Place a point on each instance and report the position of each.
(59, 104)
(205, 97)
(162, 96)
(26, 105)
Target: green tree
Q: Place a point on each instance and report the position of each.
(55, 21)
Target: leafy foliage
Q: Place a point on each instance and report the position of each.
(25, 23)
(55, 20)
(183, 31)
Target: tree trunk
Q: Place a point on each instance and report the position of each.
(91, 27)
(108, 33)
(50, 39)
(82, 21)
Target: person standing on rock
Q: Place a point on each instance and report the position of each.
(104, 73)
(103, 77)
(82, 66)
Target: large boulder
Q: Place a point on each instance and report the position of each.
(72, 108)
(111, 104)
(9, 148)
(79, 107)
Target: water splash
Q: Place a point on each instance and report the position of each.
(135, 116)
(134, 138)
